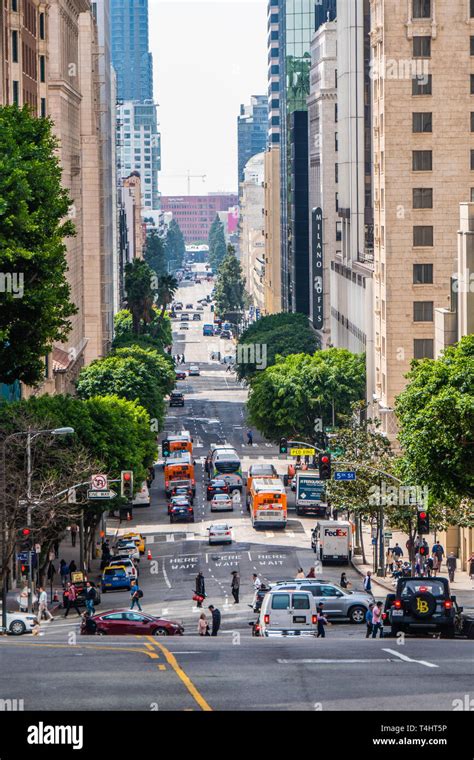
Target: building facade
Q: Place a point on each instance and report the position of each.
(130, 53)
(252, 240)
(271, 228)
(195, 213)
(423, 169)
(138, 147)
(324, 225)
(251, 132)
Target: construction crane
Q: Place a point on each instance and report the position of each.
(187, 176)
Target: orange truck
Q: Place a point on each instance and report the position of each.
(177, 470)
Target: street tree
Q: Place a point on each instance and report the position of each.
(167, 287)
(217, 246)
(140, 294)
(35, 307)
(154, 253)
(230, 285)
(175, 247)
(156, 334)
(288, 398)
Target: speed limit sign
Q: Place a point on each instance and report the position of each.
(99, 482)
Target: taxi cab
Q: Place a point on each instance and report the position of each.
(138, 539)
(114, 578)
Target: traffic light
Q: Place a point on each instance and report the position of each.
(25, 539)
(321, 440)
(423, 551)
(423, 522)
(283, 446)
(324, 465)
(126, 484)
(165, 447)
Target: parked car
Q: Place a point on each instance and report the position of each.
(194, 370)
(221, 502)
(226, 334)
(176, 399)
(216, 486)
(465, 622)
(128, 547)
(421, 605)
(189, 306)
(120, 622)
(180, 374)
(220, 533)
(200, 307)
(184, 326)
(115, 578)
(128, 564)
(181, 513)
(178, 306)
(196, 317)
(185, 318)
(339, 603)
(20, 622)
(140, 541)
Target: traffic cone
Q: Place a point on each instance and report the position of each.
(129, 517)
(55, 597)
(148, 556)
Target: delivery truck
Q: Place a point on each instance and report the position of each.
(332, 541)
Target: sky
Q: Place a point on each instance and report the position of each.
(208, 58)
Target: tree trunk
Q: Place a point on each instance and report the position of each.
(364, 558)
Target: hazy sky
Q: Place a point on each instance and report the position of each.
(209, 57)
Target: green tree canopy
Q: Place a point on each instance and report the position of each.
(35, 306)
(167, 287)
(436, 416)
(140, 293)
(175, 247)
(160, 366)
(156, 334)
(217, 244)
(154, 254)
(230, 285)
(287, 398)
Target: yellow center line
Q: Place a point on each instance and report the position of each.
(151, 655)
(171, 659)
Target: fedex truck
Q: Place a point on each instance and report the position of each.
(332, 541)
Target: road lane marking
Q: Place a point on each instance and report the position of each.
(405, 658)
(161, 667)
(136, 650)
(171, 659)
(165, 575)
(324, 661)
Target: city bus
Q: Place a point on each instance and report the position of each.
(180, 443)
(268, 503)
(224, 463)
(177, 469)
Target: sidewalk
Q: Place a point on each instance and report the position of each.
(461, 582)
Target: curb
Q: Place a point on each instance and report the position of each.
(376, 581)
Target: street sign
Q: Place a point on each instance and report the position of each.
(345, 475)
(301, 452)
(94, 494)
(99, 482)
(22, 556)
(388, 535)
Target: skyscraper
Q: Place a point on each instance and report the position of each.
(130, 55)
(252, 131)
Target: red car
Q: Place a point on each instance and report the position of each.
(180, 374)
(131, 622)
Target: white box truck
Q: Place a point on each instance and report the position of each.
(332, 541)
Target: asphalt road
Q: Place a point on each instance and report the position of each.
(62, 670)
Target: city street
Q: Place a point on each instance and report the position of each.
(234, 671)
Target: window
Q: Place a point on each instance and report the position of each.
(422, 122)
(422, 160)
(301, 602)
(423, 311)
(472, 194)
(15, 47)
(14, 5)
(329, 591)
(421, 8)
(335, 113)
(41, 26)
(115, 615)
(43, 107)
(422, 47)
(337, 202)
(472, 121)
(472, 84)
(471, 8)
(275, 69)
(422, 197)
(280, 601)
(16, 92)
(336, 172)
(421, 85)
(423, 348)
(338, 230)
(422, 236)
(42, 68)
(422, 274)
(472, 160)
(336, 142)
(472, 45)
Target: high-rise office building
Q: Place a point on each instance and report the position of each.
(130, 54)
(296, 23)
(251, 131)
(138, 147)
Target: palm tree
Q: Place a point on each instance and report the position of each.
(139, 293)
(167, 287)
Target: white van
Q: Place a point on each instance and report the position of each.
(142, 497)
(288, 613)
(332, 541)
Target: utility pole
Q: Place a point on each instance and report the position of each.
(28, 516)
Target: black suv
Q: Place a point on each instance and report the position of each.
(422, 605)
(176, 399)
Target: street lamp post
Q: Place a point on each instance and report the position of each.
(30, 436)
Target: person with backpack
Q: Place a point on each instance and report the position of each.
(321, 621)
(91, 598)
(368, 620)
(368, 582)
(135, 595)
(71, 599)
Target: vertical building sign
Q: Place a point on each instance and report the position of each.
(317, 254)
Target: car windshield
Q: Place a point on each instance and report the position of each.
(220, 527)
(430, 586)
(220, 497)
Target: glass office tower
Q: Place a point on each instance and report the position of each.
(130, 56)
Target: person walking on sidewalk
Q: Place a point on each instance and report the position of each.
(43, 605)
(377, 620)
(322, 621)
(452, 564)
(235, 586)
(216, 619)
(256, 581)
(73, 534)
(63, 571)
(200, 588)
(249, 438)
(397, 551)
(72, 568)
(203, 625)
(368, 582)
(368, 620)
(91, 598)
(439, 551)
(470, 566)
(71, 599)
(135, 595)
